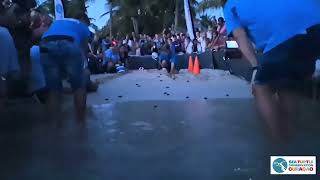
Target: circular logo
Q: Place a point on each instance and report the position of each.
(59, 8)
(280, 165)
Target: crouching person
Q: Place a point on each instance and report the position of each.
(111, 58)
(63, 49)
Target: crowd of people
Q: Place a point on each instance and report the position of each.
(108, 55)
(39, 52)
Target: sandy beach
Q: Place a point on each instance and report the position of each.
(143, 85)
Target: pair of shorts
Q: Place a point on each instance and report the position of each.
(291, 62)
(173, 59)
(163, 57)
(62, 57)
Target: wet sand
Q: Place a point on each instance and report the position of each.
(195, 138)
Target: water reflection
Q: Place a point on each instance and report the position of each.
(221, 139)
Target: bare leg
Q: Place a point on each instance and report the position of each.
(267, 106)
(172, 71)
(80, 103)
(164, 64)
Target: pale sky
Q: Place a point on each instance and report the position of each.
(96, 9)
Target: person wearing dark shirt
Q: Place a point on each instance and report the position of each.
(176, 44)
(164, 59)
(15, 17)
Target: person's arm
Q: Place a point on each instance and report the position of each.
(245, 46)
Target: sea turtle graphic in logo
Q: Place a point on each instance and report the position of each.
(280, 165)
(59, 8)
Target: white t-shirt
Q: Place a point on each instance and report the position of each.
(203, 44)
(209, 35)
(130, 43)
(188, 47)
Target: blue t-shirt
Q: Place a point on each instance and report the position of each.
(110, 55)
(69, 27)
(271, 22)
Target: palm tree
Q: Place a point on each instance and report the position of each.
(71, 7)
(179, 9)
(207, 4)
(112, 7)
(176, 15)
(129, 9)
(147, 16)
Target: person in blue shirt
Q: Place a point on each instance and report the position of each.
(64, 49)
(288, 34)
(111, 58)
(174, 49)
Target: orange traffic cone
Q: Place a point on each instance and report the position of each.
(196, 68)
(190, 67)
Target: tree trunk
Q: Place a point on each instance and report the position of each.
(135, 25)
(176, 15)
(111, 7)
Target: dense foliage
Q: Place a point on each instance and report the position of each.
(141, 16)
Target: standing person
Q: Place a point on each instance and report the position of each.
(63, 49)
(214, 21)
(203, 42)
(177, 47)
(182, 42)
(209, 34)
(130, 43)
(173, 55)
(196, 46)
(188, 45)
(221, 35)
(289, 55)
(222, 28)
(157, 41)
(198, 35)
(126, 40)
